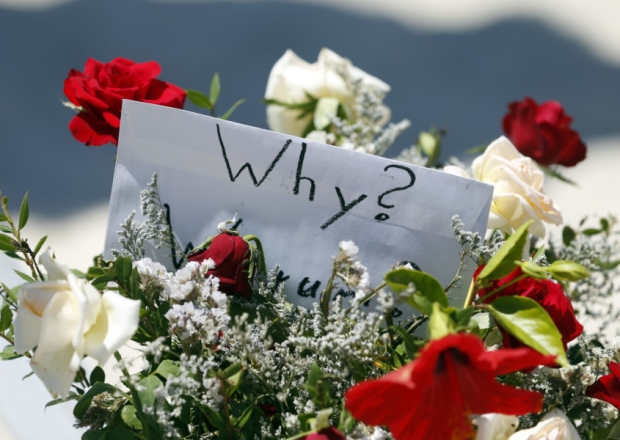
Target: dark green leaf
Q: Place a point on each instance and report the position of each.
(6, 229)
(591, 231)
(199, 99)
(24, 212)
(82, 405)
(568, 235)
(6, 318)
(111, 433)
(504, 260)
(409, 343)
(214, 93)
(527, 321)
(39, 245)
(232, 109)
(3, 217)
(97, 375)
(122, 269)
(245, 417)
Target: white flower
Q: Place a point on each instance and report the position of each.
(553, 426)
(292, 78)
(66, 318)
(518, 188)
(495, 426)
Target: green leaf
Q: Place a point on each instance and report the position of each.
(97, 375)
(199, 99)
(3, 218)
(146, 390)
(6, 229)
(409, 343)
(439, 324)
(84, 403)
(122, 269)
(39, 245)
(232, 109)
(533, 270)
(6, 243)
(567, 270)
(6, 318)
(8, 353)
(428, 290)
(168, 368)
(111, 433)
(527, 321)
(568, 235)
(129, 416)
(24, 212)
(504, 260)
(24, 276)
(214, 93)
(62, 400)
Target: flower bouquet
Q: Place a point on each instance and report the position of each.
(224, 352)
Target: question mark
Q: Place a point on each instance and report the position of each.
(382, 216)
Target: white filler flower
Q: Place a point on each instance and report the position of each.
(66, 318)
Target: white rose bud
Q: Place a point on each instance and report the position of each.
(292, 79)
(494, 426)
(66, 318)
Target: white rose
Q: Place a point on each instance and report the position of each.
(495, 426)
(518, 188)
(553, 426)
(66, 318)
(292, 78)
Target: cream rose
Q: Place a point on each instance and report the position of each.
(291, 81)
(518, 188)
(66, 318)
(553, 426)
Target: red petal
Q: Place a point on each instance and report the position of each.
(92, 131)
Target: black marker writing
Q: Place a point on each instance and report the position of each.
(344, 208)
(311, 291)
(382, 216)
(299, 177)
(247, 165)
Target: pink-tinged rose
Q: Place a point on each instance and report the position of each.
(543, 133)
(98, 93)
(232, 257)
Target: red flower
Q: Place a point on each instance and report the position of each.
(329, 433)
(543, 133)
(607, 388)
(100, 90)
(433, 396)
(231, 254)
(547, 293)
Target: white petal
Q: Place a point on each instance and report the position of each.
(89, 302)
(33, 299)
(115, 325)
(495, 426)
(55, 361)
(55, 270)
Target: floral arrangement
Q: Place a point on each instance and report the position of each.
(224, 354)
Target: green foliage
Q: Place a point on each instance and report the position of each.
(427, 288)
(505, 260)
(527, 321)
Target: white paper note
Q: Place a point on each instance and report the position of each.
(300, 197)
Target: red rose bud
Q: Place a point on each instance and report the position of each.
(232, 257)
(99, 92)
(543, 133)
(547, 293)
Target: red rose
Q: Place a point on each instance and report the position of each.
(100, 91)
(231, 254)
(607, 388)
(543, 133)
(547, 293)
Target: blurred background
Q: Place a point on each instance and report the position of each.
(452, 64)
